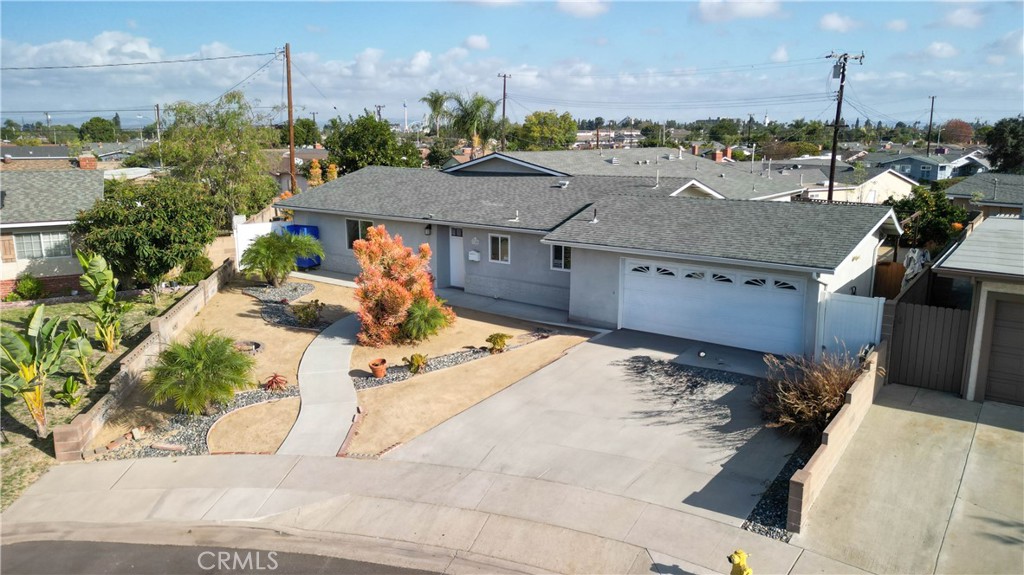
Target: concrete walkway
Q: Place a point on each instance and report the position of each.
(439, 518)
(328, 397)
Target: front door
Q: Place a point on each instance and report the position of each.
(457, 258)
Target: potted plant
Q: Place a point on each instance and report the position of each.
(379, 367)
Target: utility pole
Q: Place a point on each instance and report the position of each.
(838, 70)
(504, 96)
(314, 117)
(291, 119)
(379, 108)
(931, 115)
(159, 146)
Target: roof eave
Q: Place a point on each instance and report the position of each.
(424, 220)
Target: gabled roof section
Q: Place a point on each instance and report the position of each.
(993, 188)
(500, 163)
(30, 197)
(995, 249)
(810, 236)
(925, 159)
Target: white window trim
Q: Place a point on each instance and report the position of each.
(42, 247)
(551, 260)
(349, 241)
(490, 255)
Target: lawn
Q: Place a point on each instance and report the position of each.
(23, 457)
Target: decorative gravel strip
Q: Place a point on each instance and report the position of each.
(190, 431)
(276, 304)
(769, 515)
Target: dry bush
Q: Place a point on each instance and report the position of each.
(801, 395)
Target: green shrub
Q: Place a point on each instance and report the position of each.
(308, 313)
(424, 319)
(416, 362)
(196, 375)
(68, 393)
(191, 278)
(802, 396)
(29, 287)
(201, 264)
(13, 296)
(498, 341)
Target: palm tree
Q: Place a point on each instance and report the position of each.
(436, 101)
(273, 255)
(206, 370)
(473, 119)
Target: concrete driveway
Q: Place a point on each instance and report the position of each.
(930, 484)
(599, 420)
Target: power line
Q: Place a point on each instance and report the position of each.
(244, 80)
(184, 60)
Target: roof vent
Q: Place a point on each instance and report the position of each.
(515, 219)
(595, 220)
(615, 161)
(563, 184)
(721, 175)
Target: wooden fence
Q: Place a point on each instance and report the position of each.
(929, 346)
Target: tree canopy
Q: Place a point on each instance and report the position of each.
(98, 129)
(545, 131)
(957, 132)
(1006, 143)
(366, 141)
(144, 231)
(307, 133)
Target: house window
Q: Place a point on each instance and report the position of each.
(357, 230)
(755, 282)
(926, 169)
(456, 232)
(499, 248)
(905, 168)
(42, 245)
(721, 278)
(561, 258)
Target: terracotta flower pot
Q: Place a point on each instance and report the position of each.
(379, 367)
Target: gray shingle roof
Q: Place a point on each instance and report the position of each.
(932, 160)
(59, 152)
(996, 247)
(994, 187)
(48, 196)
(818, 236)
(489, 200)
(739, 183)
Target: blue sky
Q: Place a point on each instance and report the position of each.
(660, 60)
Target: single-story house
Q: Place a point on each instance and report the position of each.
(619, 252)
(36, 210)
(969, 163)
(995, 192)
(993, 259)
(279, 168)
(881, 185)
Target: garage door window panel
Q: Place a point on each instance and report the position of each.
(755, 282)
(722, 278)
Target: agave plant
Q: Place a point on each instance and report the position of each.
(27, 359)
(198, 374)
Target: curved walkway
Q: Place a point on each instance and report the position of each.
(328, 397)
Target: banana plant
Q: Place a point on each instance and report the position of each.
(106, 312)
(26, 360)
(80, 350)
(68, 393)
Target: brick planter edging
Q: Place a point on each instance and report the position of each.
(807, 483)
(70, 440)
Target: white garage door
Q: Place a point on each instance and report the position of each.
(763, 312)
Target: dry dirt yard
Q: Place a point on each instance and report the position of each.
(259, 428)
(398, 412)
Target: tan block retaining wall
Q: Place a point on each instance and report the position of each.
(807, 483)
(70, 440)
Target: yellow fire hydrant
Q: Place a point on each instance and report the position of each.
(739, 563)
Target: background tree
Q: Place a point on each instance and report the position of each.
(332, 173)
(196, 375)
(933, 228)
(365, 141)
(220, 147)
(546, 131)
(306, 132)
(98, 129)
(273, 255)
(439, 154)
(436, 101)
(144, 231)
(473, 119)
(1006, 143)
(957, 132)
(315, 177)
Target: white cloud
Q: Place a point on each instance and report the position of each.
(456, 53)
(896, 25)
(780, 54)
(964, 17)
(1010, 45)
(995, 60)
(132, 24)
(420, 63)
(725, 10)
(941, 50)
(477, 42)
(835, 22)
(584, 8)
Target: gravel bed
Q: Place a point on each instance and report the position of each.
(277, 301)
(190, 431)
(769, 515)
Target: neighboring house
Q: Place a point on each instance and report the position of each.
(703, 177)
(881, 184)
(279, 169)
(113, 151)
(920, 168)
(995, 192)
(130, 174)
(35, 152)
(968, 163)
(992, 258)
(36, 210)
(616, 251)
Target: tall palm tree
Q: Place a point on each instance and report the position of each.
(473, 118)
(436, 101)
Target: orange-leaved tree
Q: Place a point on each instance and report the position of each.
(395, 291)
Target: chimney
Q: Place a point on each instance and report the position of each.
(728, 152)
(718, 155)
(87, 162)
(695, 149)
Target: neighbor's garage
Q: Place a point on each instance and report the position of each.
(1005, 379)
(763, 312)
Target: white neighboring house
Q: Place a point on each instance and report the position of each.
(881, 185)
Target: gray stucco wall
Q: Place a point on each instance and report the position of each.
(334, 238)
(594, 290)
(527, 277)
